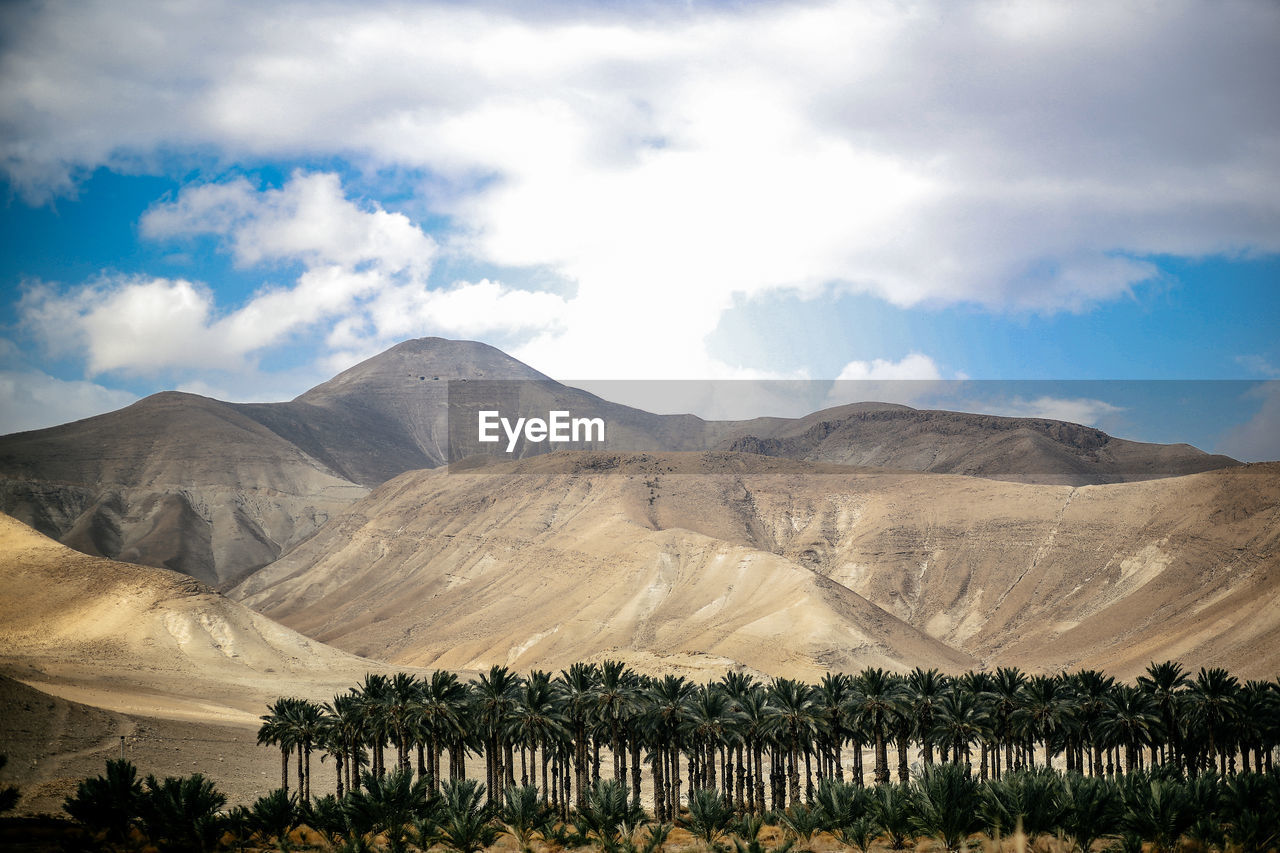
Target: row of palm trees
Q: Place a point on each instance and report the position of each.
(768, 745)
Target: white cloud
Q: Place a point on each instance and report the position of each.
(1258, 439)
(1258, 364)
(1018, 156)
(909, 381)
(308, 219)
(1076, 410)
(913, 366)
(30, 399)
(364, 281)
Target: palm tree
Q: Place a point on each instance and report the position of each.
(1007, 690)
(946, 799)
(1162, 682)
(608, 814)
(924, 690)
(277, 730)
(1091, 809)
(537, 721)
(893, 809)
(981, 685)
(1045, 711)
(109, 803)
(1092, 691)
(402, 706)
(1129, 718)
(441, 716)
(464, 822)
(795, 722)
(1158, 810)
(1214, 706)
(877, 697)
(495, 696)
(709, 816)
(755, 722)
(1031, 800)
(664, 701)
(373, 694)
(306, 721)
(959, 721)
(577, 688)
(614, 700)
(342, 733)
(737, 686)
(181, 812)
(390, 804)
(706, 723)
(276, 815)
(525, 815)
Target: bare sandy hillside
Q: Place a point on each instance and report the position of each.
(565, 558)
(92, 650)
(217, 490)
(709, 560)
(135, 639)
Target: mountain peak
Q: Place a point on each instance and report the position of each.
(404, 367)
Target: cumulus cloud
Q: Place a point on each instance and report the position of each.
(1027, 157)
(364, 280)
(30, 399)
(913, 366)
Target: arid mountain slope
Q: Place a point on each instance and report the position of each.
(789, 567)
(216, 490)
(94, 625)
(93, 650)
(1023, 450)
(174, 480)
(556, 559)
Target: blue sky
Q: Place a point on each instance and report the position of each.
(242, 200)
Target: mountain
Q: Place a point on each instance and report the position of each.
(93, 650)
(707, 561)
(1024, 450)
(562, 557)
(175, 480)
(66, 612)
(217, 490)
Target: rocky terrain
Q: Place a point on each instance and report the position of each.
(217, 490)
(701, 561)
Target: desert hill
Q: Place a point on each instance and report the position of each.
(703, 560)
(102, 632)
(563, 558)
(92, 650)
(216, 490)
(1024, 450)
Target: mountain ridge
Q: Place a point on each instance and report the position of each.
(218, 490)
(537, 561)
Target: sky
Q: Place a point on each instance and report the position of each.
(242, 199)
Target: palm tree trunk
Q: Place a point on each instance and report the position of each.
(808, 777)
(740, 786)
(635, 769)
(793, 773)
(284, 768)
